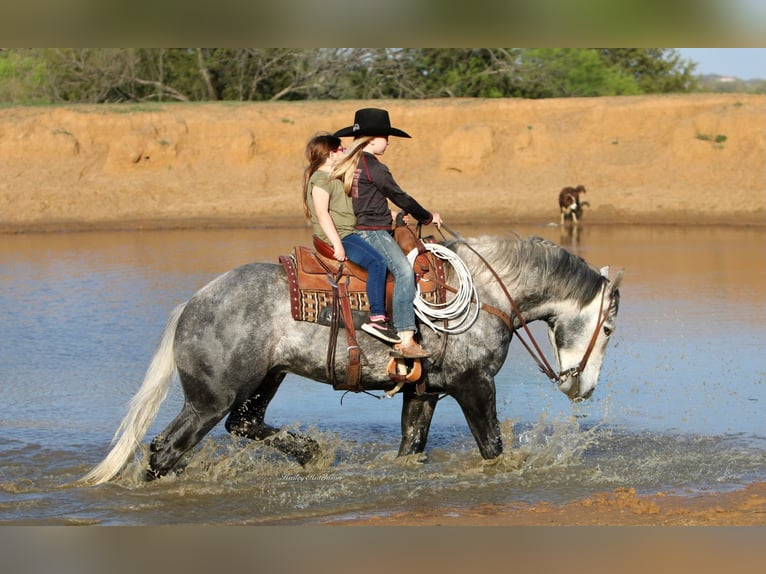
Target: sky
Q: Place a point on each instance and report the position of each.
(742, 63)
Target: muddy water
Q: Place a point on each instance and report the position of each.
(679, 407)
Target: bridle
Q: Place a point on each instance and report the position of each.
(532, 347)
(602, 317)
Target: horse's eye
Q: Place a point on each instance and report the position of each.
(607, 331)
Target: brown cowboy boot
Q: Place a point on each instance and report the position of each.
(409, 348)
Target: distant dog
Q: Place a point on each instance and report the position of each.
(570, 204)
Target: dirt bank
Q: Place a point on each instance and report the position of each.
(667, 159)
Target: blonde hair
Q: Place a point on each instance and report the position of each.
(345, 169)
(318, 149)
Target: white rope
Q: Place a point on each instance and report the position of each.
(457, 310)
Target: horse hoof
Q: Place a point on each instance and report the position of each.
(152, 474)
(302, 448)
(308, 453)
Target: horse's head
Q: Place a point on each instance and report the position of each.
(580, 335)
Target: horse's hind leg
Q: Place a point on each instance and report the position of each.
(200, 413)
(417, 413)
(247, 420)
(186, 430)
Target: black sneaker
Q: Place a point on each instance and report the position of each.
(382, 330)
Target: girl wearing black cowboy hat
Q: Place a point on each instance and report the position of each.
(371, 185)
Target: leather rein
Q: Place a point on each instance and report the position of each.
(532, 347)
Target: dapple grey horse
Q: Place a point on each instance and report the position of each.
(233, 342)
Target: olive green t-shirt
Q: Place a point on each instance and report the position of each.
(341, 209)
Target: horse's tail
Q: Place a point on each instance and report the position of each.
(143, 407)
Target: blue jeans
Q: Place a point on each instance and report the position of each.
(362, 253)
(404, 277)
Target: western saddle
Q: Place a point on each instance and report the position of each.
(333, 293)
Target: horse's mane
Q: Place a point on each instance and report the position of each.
(537, 263)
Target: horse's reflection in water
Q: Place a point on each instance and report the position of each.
(233, 342)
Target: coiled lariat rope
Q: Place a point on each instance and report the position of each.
(456, 309)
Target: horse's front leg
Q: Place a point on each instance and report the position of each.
(417, 413)
(477, 401)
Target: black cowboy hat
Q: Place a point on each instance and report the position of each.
(371, 122)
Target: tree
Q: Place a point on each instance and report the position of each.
(465, 72)
(656, 70)
(370, 73)
(22, 77)
(102, 75)
(568, 72)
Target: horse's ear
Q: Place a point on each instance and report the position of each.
(614, 284)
